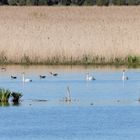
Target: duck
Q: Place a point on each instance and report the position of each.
(123, 76)
(53, 74)
(42, 76)
(13, 77)
(89, 78)
(25, 80)
(3, 69)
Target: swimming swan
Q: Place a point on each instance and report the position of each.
(89, 78)
(123, 76)
(25, 80)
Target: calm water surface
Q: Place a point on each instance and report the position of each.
(103, 109)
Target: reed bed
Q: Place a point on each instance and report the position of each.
(69, 35)
(6, 94)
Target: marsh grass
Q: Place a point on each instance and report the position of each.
(69, 35)
(81, 60)
(6, 94)
(16, 97)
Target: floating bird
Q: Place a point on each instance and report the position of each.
(3, 69)
(13, 77)
(25, 80)
(42, 76)
(123, 76)
(68, 98)
(89, 78)
(53, 74)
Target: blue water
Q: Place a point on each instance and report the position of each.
(107, 108)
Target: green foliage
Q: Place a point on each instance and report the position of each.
(69, 2)
(13, 2)
(89, 2)
(133, 60)
(102, 2)
(133, 2)
(137, 2)
(66, 2)
(4, 95)
(42, 2)
(31, 2)
(22, 2)
(119, 2)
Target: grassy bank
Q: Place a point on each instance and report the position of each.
(69, 35)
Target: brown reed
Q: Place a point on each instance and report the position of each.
(69, 35)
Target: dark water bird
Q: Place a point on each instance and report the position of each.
(42, 76)
(3, 69)
(13, 77)
(91, 103)
(54, 74)
(123, 76)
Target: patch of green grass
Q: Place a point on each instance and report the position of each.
(133, 59)
(4, 95)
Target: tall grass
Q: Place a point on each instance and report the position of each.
(5, 95)
(69, 35)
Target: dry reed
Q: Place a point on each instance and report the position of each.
(65, 35)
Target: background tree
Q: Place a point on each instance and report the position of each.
(13, 2)
(31, 2)
(42, 2)
(22, 2)
(102, 2)
(65, 2)
(89, 2)
(119, 2)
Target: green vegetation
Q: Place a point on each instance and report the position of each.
(16, 96)
(70, 2)
(83, 60)
(5, 95)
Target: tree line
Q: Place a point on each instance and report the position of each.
(70, 2)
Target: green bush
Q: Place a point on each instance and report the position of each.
(22, 2)
(119, 2)
(133, 59)
(31, 2)
(42, 2)
(4, 95)
(13, 2)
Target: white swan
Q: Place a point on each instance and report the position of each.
(89, 78)
(123, 76)
(25, 80)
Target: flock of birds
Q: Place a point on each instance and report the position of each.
(25, 80)
(88, 76)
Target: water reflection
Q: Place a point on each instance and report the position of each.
(4, 104)
(7, 104)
